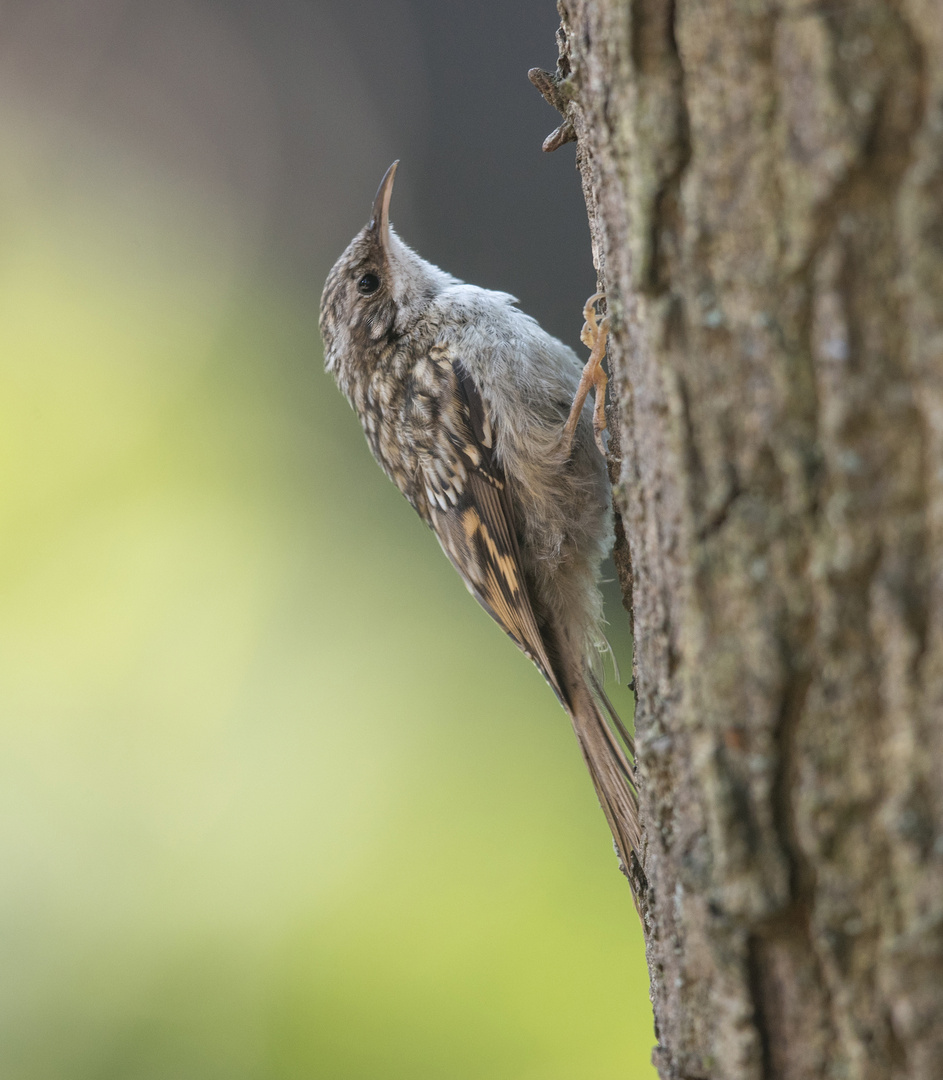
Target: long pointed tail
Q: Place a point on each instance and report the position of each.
(611, 770)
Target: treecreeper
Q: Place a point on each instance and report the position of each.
(477, 415)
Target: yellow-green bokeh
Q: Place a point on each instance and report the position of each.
(278, 798)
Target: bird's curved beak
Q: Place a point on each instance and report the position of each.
(380, 223)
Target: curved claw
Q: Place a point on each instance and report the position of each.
(593, 335)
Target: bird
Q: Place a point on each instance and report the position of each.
(477, 415)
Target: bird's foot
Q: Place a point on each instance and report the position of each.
(593, 335)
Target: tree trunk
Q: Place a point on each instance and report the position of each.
(765, 191)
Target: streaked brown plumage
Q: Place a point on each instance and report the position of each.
(464, 401)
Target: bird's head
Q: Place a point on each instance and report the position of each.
(377, 290)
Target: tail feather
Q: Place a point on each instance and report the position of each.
(601, 694)
(610, 768)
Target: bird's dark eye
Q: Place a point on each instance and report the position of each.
(368, 285)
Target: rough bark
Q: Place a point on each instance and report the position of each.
(765, 192)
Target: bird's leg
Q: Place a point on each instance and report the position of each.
(594, 336)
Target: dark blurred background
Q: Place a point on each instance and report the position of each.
(279, 800)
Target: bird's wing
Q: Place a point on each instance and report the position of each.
(465, 496)
(470, 509)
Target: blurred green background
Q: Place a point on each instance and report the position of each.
(278, 799)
